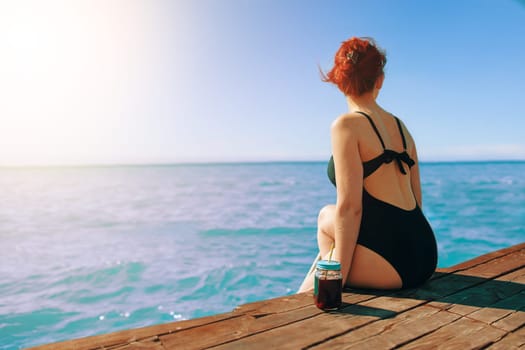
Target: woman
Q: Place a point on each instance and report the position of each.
(381, 236)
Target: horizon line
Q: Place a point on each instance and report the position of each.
(232, 162)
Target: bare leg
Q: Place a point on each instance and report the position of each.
(308, 283)
(324, 241)
(325, 230)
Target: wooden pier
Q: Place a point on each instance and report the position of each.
(479, 304)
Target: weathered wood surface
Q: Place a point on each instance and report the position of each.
(478, 304)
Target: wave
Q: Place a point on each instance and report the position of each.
(247, 231)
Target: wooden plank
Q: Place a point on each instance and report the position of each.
(511, 322)
(300, 334)
(276, 305)
(499, 266)
(393, 304)
(511, 341)
(325, 325)
(517, 276)
(439, 288)
(132, 335)
(233, 329)
(454, 282)
(490, 315)
(508, 303)
(487, 294)
(389, 333)
(247, 325)
(502, 309)
(483, 258)
(147, 344)
(462, 334)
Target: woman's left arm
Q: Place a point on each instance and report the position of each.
(415, 181)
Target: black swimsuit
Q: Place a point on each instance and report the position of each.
(403, 237)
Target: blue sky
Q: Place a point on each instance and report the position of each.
(132, 81)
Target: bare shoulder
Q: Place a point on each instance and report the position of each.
(348, 122)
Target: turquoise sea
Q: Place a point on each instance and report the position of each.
(88, 250)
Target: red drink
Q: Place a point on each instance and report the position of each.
(329, 294)
(328, 285)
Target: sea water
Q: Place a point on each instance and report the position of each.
(89, 250)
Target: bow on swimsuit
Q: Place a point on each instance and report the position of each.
(403, 237)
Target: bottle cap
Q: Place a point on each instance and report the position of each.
(329, 265)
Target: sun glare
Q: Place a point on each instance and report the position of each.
(67, 69)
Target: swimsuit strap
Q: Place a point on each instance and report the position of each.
(401, 132)
(388, 155)
(375, 128)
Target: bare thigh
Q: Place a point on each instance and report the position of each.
(368, 269)
(371, 270)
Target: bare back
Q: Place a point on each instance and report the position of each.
(387, 183)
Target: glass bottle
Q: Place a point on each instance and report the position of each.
(328, 285)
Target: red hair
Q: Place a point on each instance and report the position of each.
(357, 65)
